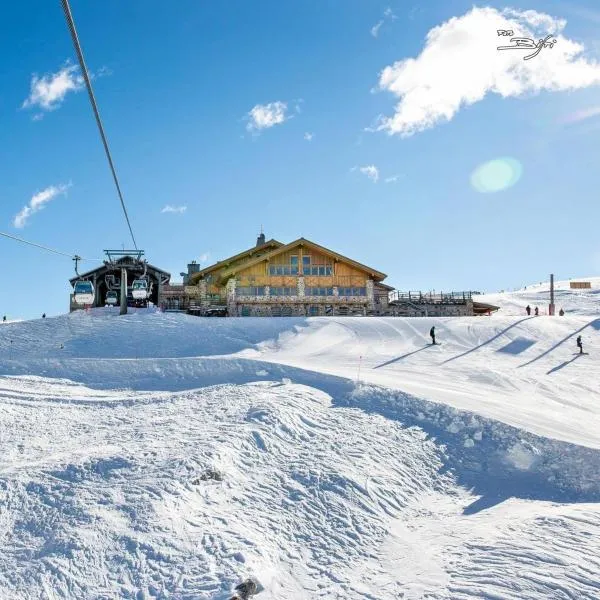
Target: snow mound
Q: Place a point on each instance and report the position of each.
(316, 496)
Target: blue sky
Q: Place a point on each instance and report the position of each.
(386, 176)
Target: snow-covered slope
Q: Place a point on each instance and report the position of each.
(572, 301)
(166, 456)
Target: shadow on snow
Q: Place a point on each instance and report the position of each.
(494, 460)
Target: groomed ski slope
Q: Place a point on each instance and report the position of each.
(166, 456)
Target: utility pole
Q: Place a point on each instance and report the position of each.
(123, 291)
(551, 307)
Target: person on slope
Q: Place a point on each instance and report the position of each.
(537, 311)
(561, 312)
(432, 334)
(528, 310)
(579, 344)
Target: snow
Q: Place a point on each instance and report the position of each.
(166, 456)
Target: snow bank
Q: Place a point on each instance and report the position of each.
(106, 493)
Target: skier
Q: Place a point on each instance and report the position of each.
(537, 311)
(561, 312)
(44, 316)
(432, 334)
(579, 344)
(4, 319)
(528, 309)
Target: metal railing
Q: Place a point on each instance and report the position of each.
(431, 297)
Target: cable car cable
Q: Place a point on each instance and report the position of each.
(12, 237)
(88, 83)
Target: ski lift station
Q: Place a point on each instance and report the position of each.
(124, 270)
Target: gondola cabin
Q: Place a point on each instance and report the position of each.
(83, 293)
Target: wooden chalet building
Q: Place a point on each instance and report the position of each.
(275, 279)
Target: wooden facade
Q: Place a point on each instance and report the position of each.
(580, 285)
(300, 278)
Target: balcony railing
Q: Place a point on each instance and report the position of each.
(431, 297)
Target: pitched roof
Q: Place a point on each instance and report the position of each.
(223, 263)
(377, 275)
(117, 264)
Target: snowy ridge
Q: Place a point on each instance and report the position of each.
(572, 301)
(165, 456)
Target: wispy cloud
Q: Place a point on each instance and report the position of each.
(265, 116)
(388, 15)
(371, 171)
(393, 178)
(581, 115)
(38, 202)
(49, 91)
(205, 257)
(173, 209)
(308, 136)
(432, 89)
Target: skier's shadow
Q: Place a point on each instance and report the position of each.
(564, 364)
(501, 333)
(389, 362)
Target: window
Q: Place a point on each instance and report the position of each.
(306, 265)
(250, 291)
(294, 260)
(308, 268)
(319, 291)
(352, 291)
(283, 291)
(283, 270)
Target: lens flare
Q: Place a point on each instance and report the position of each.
(496, 175)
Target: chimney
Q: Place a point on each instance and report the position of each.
(260, 240)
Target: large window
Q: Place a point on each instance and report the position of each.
(352, 291)
(319, 291)
(308, 268)
(250, 291)
(283, 291)
(283, 269)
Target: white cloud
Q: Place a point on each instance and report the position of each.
(393, 178)
(38, 202)
(388, 15)
(375, 29)
(49, 91)
(173, 209)
(371, 171)
(460, 65)
(264, 116)
(204, 257)
(308, 136)
(581, 115)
